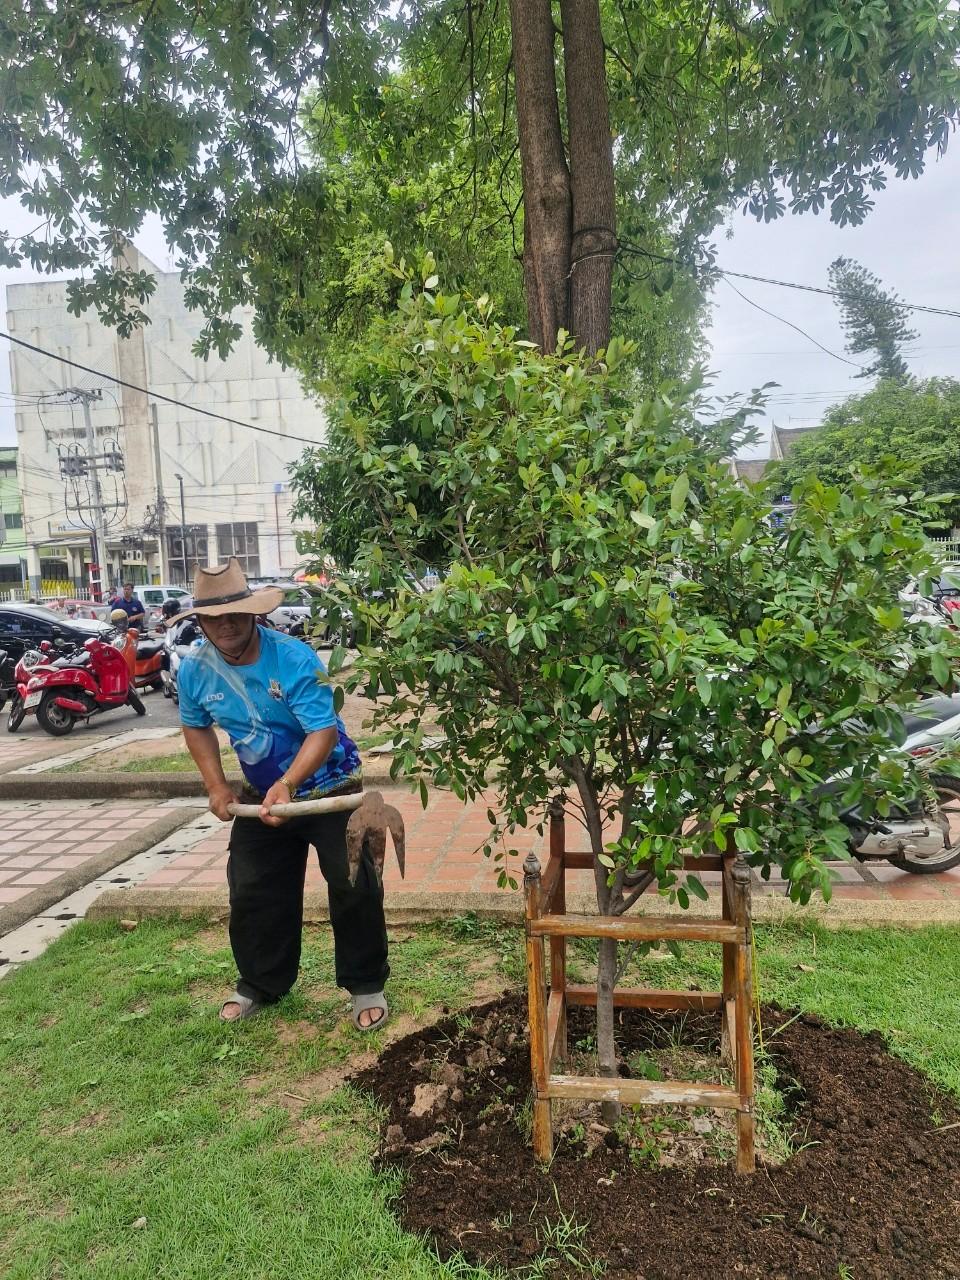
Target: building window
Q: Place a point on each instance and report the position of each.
(242, 541)
(197, 551)
(13, 520)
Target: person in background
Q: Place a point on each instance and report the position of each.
(126, 639)
(130, 604)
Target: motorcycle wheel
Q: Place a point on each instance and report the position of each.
(54, 719)
(133, 700)
(15, 714)
(948, 803)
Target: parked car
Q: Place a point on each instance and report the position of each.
(154, 598)
(299, 605)
(26, 626)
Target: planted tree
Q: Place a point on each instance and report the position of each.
(618, 618)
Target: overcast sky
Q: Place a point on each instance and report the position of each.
(909, 240)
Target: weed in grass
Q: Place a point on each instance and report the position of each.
(563, 1240)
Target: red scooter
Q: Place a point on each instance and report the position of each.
(61, 691)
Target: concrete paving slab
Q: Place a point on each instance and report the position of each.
(52, 848)
(447, 875)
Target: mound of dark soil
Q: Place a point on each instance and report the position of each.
(873, 1194)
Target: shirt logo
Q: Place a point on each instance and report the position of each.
(214, 697)
(275, 691)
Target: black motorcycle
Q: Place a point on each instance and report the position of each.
(8, 684)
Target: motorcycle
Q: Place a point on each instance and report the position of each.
(30, 661)
(148, 668)
(177, 643)
(923, 836)
(77, 687)
(8, 681)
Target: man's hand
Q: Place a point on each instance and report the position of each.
(279, 793)
(221, 796)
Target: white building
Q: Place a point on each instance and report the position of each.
(236, 495)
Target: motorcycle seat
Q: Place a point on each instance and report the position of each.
(931, 712)
(149, 649)
(80, 660)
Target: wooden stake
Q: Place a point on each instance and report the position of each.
(743, 985)
(558, 946)
(537, 1012)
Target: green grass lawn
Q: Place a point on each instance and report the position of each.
(176, 762)
(143, 1140)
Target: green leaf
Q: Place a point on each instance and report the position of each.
(696, 888)
(741, 531)
(704, 688)
(678, 494)
(558, 475)
(941, 669)
(618, 682)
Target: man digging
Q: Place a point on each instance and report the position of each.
(267, 691)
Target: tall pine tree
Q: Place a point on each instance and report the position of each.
(873, 319)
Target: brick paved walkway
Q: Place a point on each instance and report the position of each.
(42, 840)
(443, 857)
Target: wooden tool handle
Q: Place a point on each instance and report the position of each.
(300, 808)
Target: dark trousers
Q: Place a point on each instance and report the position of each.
(265, 874)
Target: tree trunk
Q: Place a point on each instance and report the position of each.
(546, 178)
(594, 236)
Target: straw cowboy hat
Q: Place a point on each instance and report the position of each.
(222, 588)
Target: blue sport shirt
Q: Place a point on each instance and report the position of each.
(267, 708)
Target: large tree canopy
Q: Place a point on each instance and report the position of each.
(917, 424)
(192, 111)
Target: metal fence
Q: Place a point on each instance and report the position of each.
(949, 548)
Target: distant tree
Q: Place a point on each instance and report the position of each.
(917, 423)
(873, 318)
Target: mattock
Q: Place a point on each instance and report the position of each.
(367, 826)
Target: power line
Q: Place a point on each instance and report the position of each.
(156, 395)
(783, 284)
(773, 315)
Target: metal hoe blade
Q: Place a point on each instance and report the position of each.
(367, 829)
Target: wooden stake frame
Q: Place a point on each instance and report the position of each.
(550, 995)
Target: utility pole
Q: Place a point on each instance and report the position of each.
(99, 527)
(161, 505)
(183, 530)
(276, 511)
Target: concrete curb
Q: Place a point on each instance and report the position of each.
(423, 907)
(45, 895)
(123, 786)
